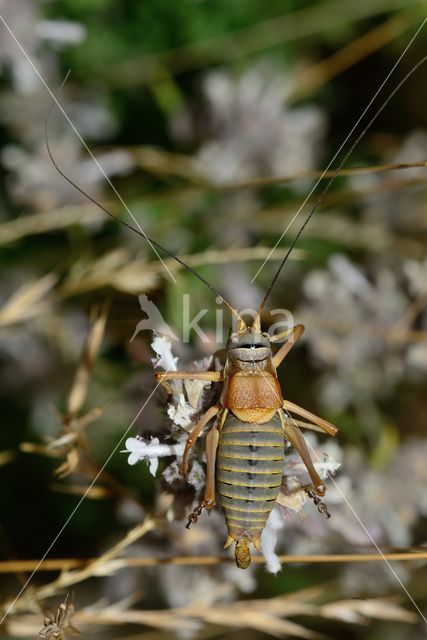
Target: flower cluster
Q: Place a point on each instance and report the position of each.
(248, 130)
(360, 329)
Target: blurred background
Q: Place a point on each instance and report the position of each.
(213, 121)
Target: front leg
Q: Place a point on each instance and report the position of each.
(209, 376)
(297, 332)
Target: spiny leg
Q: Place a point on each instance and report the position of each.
(194, 434)
(297, 332)
(295, 437)
(320, 422)
(208, 501)
(302, 424)
(209, 376)
(322, 507)
(212, 440)
(277, 337)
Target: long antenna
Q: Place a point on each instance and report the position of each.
(335, 174)
(129, 226)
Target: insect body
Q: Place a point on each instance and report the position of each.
(58, 625)
(250, 461)
(245, 446)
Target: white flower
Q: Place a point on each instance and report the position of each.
(182, 413)
(188, 394)
(325, 468)
(60, 32)
(195, 477)
(165, 358)
(151, 451)
(250, 130)
(274, 524)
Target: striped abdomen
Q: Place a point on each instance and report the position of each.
(250, 461)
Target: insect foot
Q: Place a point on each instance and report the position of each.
(194, 515)
(322, 507)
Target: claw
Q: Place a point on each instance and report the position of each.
(314, 493)
(194, 515)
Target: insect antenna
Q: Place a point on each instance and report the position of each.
(331, 180)
(129, 226)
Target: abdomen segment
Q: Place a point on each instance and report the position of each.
(250, 461)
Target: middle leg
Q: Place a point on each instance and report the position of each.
(301, 424)
(194, 434)
(212, 440)
(297, 332)
(326, 426)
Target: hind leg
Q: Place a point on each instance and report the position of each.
(295, 437)
(208, 501)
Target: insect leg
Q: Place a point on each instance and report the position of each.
(212, 440)
(208, 501)
(295, 437)
(211, 376)
(297, 332)
(194, 434)
(303, 425)
(277, 337)
(326, 426)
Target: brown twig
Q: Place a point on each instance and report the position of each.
(269, 615)
(161, 163)
(118, 270)
(106, 563)
(319, 74)
(165, 163)
(66, 564)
